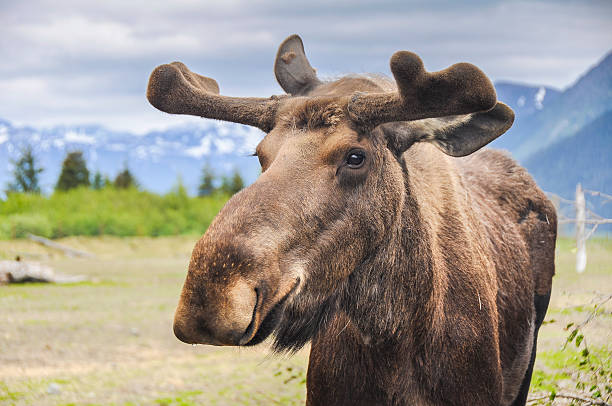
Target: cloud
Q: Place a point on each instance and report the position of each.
(84, 37)
(72, 136)
(224, 146)
(72, 61)
(200, 150)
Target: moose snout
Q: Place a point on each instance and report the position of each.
(222, 317)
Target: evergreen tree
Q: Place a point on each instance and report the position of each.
(206, 183)
(125, 179)
(98, 181)
(237, 182)
(232, 184)
(74, 172)
(25, 173)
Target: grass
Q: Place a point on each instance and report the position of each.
(577, 366)
(110, 211)
(108, 341)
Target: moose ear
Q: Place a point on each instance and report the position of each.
(292, 69)
(454, 135)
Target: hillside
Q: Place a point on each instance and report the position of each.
(525, 99)
(562, 116)
(585, 157)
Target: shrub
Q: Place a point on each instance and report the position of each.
(20, 225)
(108, 211)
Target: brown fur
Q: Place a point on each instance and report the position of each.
(420, 278)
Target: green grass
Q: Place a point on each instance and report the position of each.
(109, 341)
(577, 362)
(110, 211)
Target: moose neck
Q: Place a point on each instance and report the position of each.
(386, 312)
(391, 295)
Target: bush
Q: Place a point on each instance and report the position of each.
(20, 225)
(108, 211)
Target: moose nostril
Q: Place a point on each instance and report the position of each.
(178, 332)
(250, 330)
(208, 322)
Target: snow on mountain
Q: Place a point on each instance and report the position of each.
(158, 159)
(547, 118)
(525, 99)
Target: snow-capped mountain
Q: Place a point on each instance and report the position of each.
(157, 158)
(559, 117)
(525, 99)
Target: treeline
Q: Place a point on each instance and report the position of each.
(82, 204)
(75, 174)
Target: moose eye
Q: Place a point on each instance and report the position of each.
(355, 159)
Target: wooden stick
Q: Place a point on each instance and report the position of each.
(22, 271)
(581, 254)
(71, 252)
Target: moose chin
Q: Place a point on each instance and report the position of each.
(417, 264)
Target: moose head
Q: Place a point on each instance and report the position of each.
(282, 254)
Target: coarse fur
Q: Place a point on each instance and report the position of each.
(421, 275)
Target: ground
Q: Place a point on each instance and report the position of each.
(109, 340)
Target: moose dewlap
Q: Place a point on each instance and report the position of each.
(418, 265)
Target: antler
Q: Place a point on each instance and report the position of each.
(173, 88)
(460, 89)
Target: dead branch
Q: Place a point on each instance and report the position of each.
(602, 195)
(25, 271)
(587, 221)
(71, 252)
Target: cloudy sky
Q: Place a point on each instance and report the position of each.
(88, 61)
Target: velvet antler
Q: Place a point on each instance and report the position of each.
(173, 88)
(460, 89)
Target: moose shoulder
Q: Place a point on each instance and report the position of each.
(419, 266)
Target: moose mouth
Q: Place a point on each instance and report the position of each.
(255, 334)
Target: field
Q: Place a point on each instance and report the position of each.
(108, 341)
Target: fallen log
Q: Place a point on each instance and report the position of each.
(25, 271)
(71, 252)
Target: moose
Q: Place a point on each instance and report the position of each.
(418, 265)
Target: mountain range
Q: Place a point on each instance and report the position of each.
(548, 115)
(561, 136)
(158, 159)
(565, 137)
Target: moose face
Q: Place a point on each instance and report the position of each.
(331, 190)
(325, 197)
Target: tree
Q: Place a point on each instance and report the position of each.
(125, 179)
(237, 182)
(74, 172)
(206, 183)
(25, 173)
(98, 181)
(232, 185)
